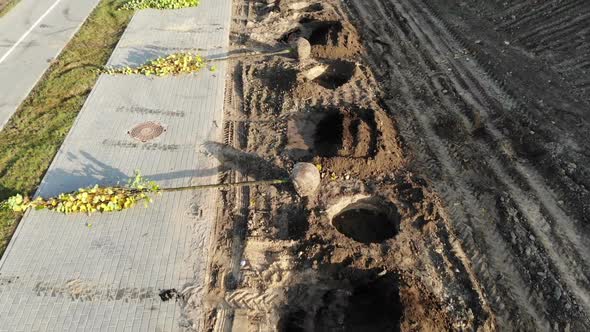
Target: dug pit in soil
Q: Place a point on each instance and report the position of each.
(338, 73)
(368, 221)
(327, 33)
(374, 306)
(290, 36)
(316, 7)
(360, 301)
(333, 132)
(328, 39)
(328, 134)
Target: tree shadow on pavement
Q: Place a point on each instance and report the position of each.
(94, 171)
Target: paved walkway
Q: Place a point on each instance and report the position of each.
(32, 34)
(106, 271)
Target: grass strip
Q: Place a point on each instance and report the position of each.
(5, 7)
(35, 132)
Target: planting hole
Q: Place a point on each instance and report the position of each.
(370, 305)
(367, 221)
(338, 73)
(293, 322)
(316, 7)
(333, 132)
(290, 36)
(374, 307)
(328, 134)
(326, 33)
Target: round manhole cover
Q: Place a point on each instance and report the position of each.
(146, 131)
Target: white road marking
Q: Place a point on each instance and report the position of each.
(20, 40)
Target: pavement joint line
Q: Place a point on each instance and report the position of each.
(33, 26)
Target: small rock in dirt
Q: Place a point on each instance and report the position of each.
(478, 41)
(306, 179)
(313, 72)
(298, 5)
(303, 49)
(557, 293)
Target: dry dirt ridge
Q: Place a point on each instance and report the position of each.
(452, 138)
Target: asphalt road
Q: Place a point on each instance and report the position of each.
(32, 34)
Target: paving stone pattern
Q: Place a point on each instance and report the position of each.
(106, 271)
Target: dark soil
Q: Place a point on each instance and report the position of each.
(452, 148)
(491, 99)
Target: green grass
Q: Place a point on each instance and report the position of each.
(7, 6)
(34, 134)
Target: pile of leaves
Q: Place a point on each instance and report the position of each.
(159, 4)
(89, 200)
(173, 64)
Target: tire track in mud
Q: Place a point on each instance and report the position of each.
(556, 30)
(499, 251)
(538, 16)
(228, 239)
(546, 199)
(532, 114)
(543, 200)
(534, 181)
(253, 300)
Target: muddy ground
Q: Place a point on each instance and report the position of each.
(452, 139)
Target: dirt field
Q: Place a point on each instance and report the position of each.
(453, 144)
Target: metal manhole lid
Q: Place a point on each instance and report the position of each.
(146, 131)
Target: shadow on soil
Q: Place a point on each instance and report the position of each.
(246, 163)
